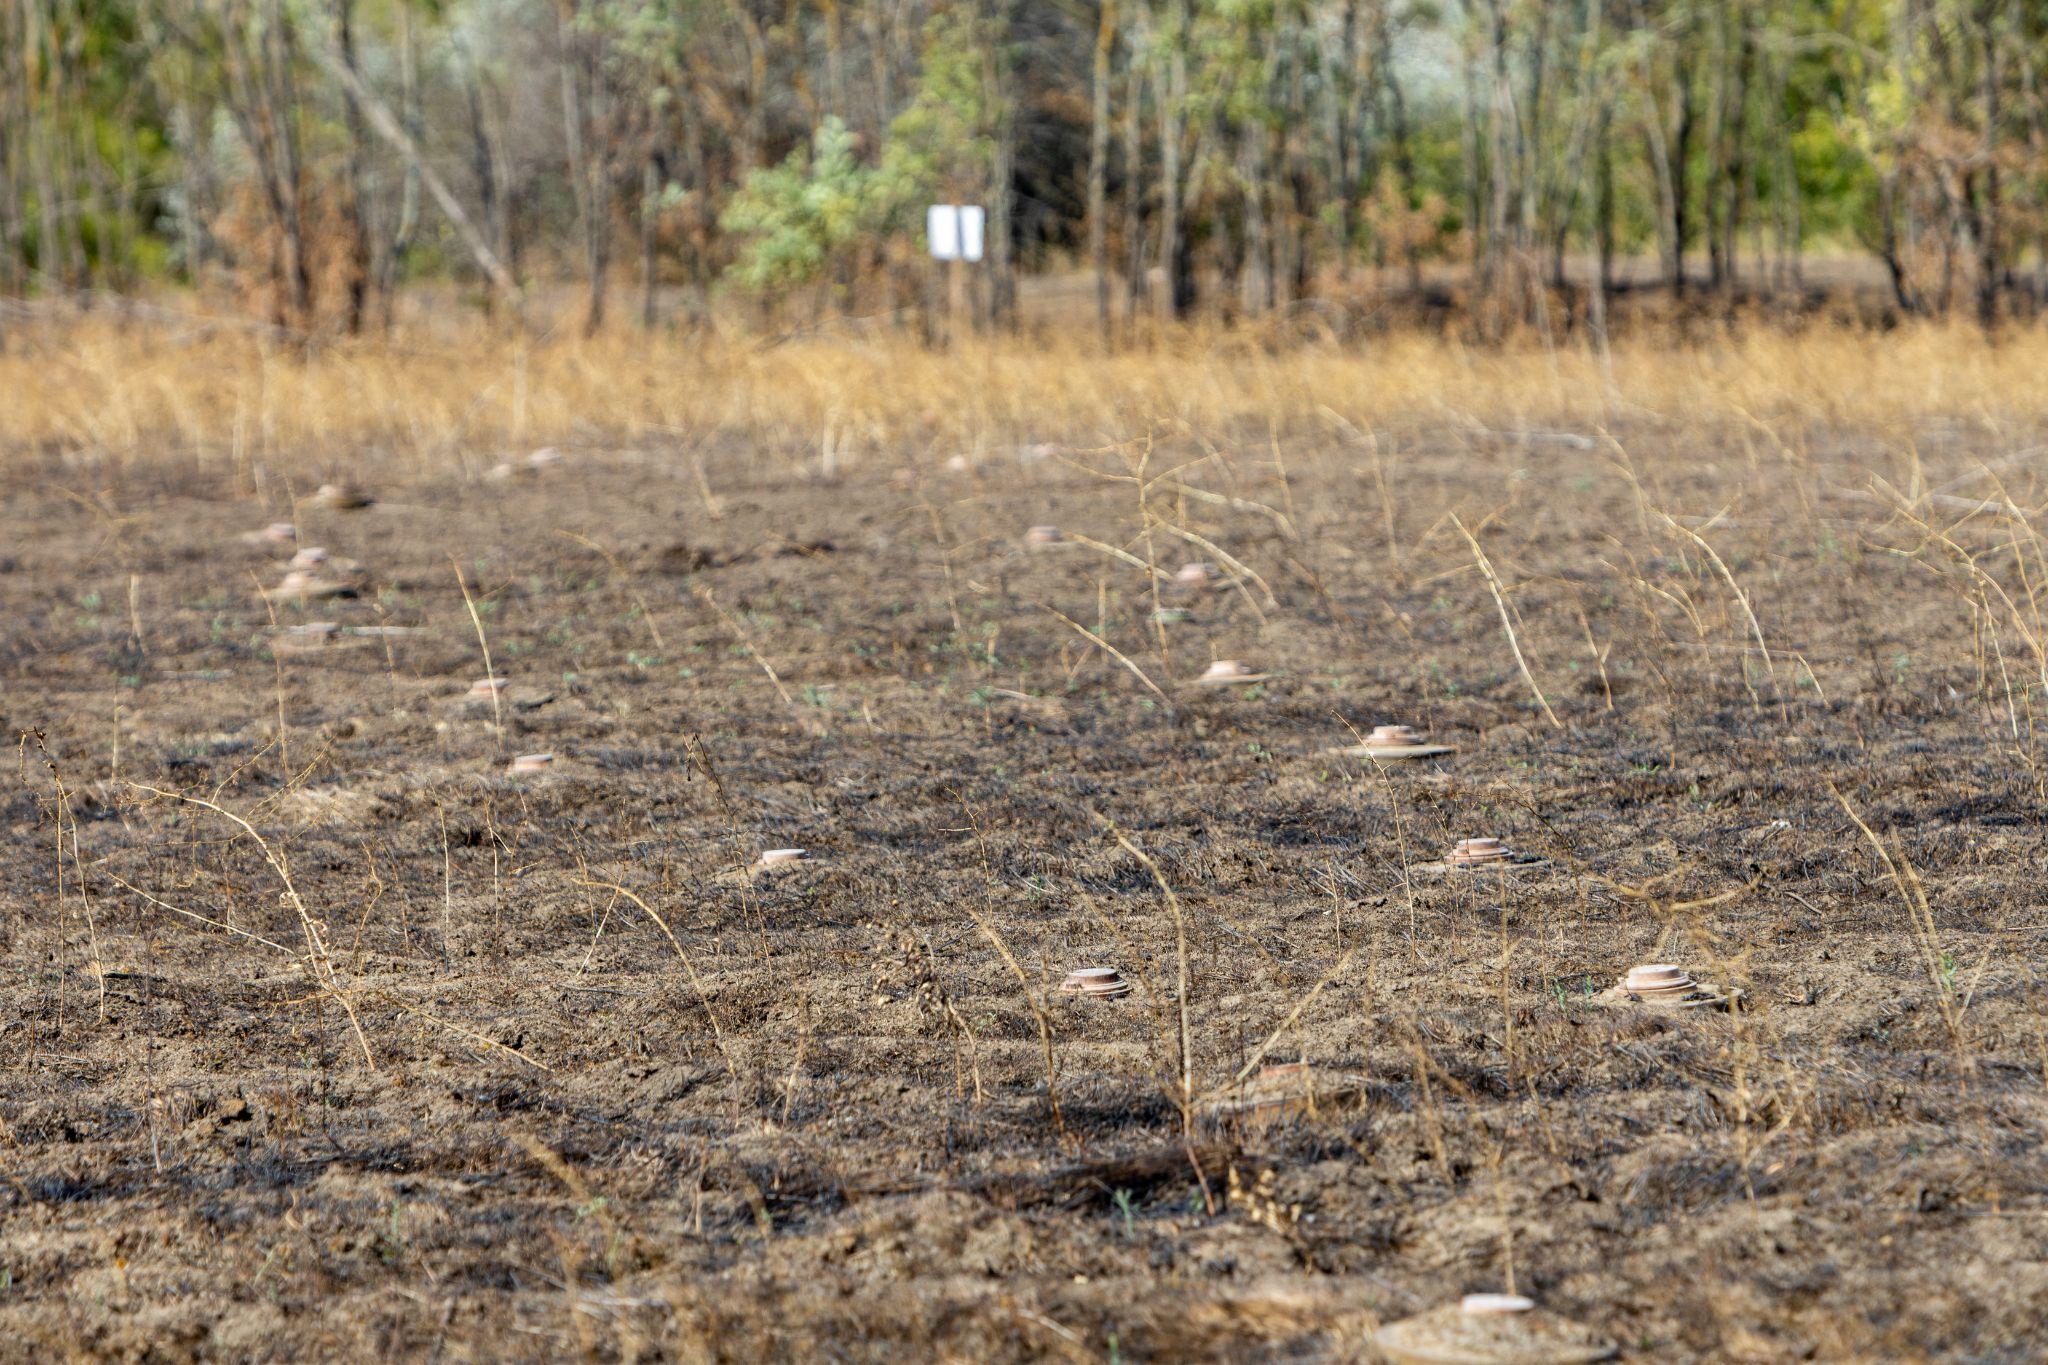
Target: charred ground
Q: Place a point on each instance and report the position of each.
(611, 1097)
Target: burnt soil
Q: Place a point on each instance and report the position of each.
(808, 1114)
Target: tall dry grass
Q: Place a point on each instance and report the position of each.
(124, 391)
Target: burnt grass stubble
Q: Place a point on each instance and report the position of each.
(817, 1123)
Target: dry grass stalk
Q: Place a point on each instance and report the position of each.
(985, 922)
(689, 969)
(1926, 937)
(1734, 588)
(477, 620)
(732, 623)
(67, 823)
(1096, 639)
(315, 953)
(1507, 624)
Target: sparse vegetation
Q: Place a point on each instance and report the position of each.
(329, 1037)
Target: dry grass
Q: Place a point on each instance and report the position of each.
(152, 391)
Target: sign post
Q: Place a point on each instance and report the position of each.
(954, 234)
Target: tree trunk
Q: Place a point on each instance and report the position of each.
(1098, 163)
(1990, 202)
(1172, 109)
(284, 104)
(1681, 177)
(998, 73)
(1137, 295)
(406, 224)
(1404, 156)
(1258, 247)
(1603, 212)
(1888, 242)
(357, 200)
(483, 161)
(650, 215)
(1346, 136)
(1474, 163)
(580, 97)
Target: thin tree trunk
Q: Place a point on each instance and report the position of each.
(1098, 162)
(483, 160)
(1987, 216)
(1137, 295)
(406, 224)
(13, 122)
(1404, 155)
(1737, 174)
(283, 102)
(1474, 163)
(650, 213)
(998, 73)
(1172, 107)
(587, 179)
(1603, 212)
(1346, 136)
(1258, 290)
(1496, 284)
(1681, 163)
(835, 43)
(356, 202)
(1888, 242)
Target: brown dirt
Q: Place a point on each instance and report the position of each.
(816, 1123)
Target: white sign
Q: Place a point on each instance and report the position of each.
(954, 231)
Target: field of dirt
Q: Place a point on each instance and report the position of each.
(328, 1037)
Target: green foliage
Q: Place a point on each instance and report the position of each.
(942, 145)
(797, 218)
(801, 221)
(130, 139)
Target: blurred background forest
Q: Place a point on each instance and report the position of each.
(672, 162)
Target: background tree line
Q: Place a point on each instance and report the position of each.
(1214, 157)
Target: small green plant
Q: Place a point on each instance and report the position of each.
(1126, 1210)
(1561, 991)
(391, 1241)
